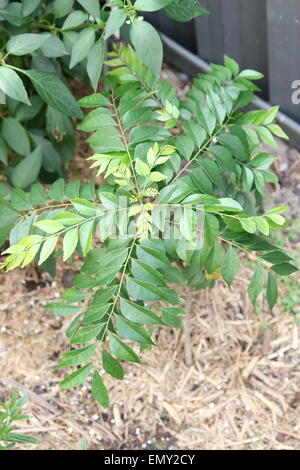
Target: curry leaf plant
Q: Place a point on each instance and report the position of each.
(45, 43)
(182, 205)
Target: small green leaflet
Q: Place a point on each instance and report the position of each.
(73, 295)
(29, 6)
(122, 350)
(256, 285)
(86, 236)
(78, 356)
(82, 46)
(74, 19)
(284, 269)
(12, 128)
(49, 226)
(47, 248)
(147, 44)
(54, 92)
(184, 10)
(27, 171)
(76, 378)
(172, 316)
(115, 21)
(62, 309)
(62, 8)
(250, 74)
(230, 266)
(272, 291)
(12, 85)
(91, 6)
(70, 243)
(99, 390)
(93, 101)
(112, 366)
(132, 331)
(138, 314)
(151, 5)
(27, 43)
(86, 333)
(84, 207)
(56, 191)
(95, 62)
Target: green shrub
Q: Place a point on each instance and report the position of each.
(183, 199)
(45, 43)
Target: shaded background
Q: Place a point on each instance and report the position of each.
(259, 34)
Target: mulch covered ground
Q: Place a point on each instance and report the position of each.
(241, 392)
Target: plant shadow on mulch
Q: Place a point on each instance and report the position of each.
(241, 392)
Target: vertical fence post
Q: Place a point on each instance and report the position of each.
(284, 54)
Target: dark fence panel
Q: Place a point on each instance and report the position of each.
(284, 52)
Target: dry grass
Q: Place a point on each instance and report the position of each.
(241, 392)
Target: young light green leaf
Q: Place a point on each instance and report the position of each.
(86, 236)
(251, 74)
(47, 249)
(232, 65)
(132, 331)
(86, 333)
(62, 309)
(49, 226)
(27, 43)
(29, 6)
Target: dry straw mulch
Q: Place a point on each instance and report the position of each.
(241, 392)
